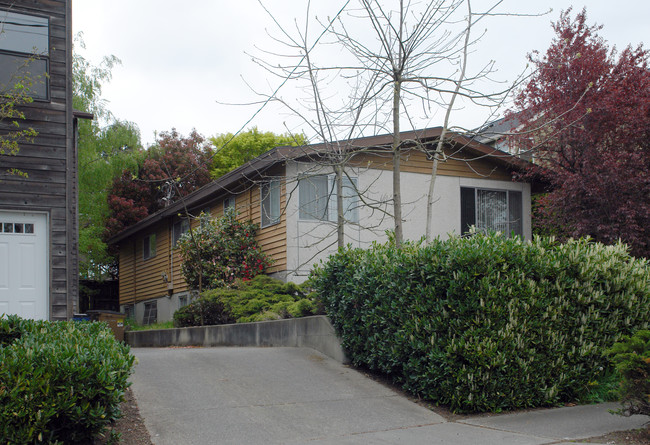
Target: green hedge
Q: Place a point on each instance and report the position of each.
(486, 323)
(59, 381)
(259, 299)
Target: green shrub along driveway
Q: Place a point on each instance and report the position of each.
(60, 382)
(487, 323)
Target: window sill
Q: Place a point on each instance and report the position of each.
(275, 223)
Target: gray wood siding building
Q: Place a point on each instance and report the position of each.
(38, 213)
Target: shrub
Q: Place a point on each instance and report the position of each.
(220, 251)
(486, 323)
(60, 381)
(204, 311)
(259, 299)
(631, 355)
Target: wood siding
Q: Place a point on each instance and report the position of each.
(141, 280)
(50, 161)
(461, 165)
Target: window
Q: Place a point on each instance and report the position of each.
(317, 198)
(228, 203)
(204, 217)
(129, 311)
(491, 210)
(17, 228)
(150, 312)
(149, 246)
(270, 197)
(179, 228)
(182, 301)
(24, 53)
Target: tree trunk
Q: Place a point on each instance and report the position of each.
(397, 195)
(340, 211)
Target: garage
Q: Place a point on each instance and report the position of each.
(24, 264)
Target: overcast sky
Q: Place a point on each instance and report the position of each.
(182, 61)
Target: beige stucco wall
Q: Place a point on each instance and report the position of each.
(308, 242)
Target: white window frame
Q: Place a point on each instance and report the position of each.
(150, 315)
(179, 228)
(229, 202)
(149, 246)
(205, 217)
(350, 203)
(270, 203)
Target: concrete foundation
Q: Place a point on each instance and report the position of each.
(312, 332)
(165, 306)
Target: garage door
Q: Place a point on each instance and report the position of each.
(23, 264)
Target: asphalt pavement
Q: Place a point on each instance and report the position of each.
(297, 395)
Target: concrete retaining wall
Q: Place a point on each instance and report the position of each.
(311, 332)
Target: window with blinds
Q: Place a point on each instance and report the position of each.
(491, 211)
(317, 198)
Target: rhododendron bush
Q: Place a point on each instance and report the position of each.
(220, 251)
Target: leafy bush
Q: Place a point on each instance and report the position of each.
(262, 298)
(632, 358)
(204, 311)
(486, 323)
(59, 381)
(222, 250)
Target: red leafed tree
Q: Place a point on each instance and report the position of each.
(587, 119)
(174, 167)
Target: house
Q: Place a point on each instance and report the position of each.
(290, 193)
(503, 134)
(38, 208)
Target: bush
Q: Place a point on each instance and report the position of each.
(631, 355)
(259, 299)
(204, 311)
(221, 251)
(59, 381)
(486, 323)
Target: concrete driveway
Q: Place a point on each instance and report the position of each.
(297, 395)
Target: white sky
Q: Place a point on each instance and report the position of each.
(180, 59)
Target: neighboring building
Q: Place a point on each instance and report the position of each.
(503, 135)
(38, 214)
(291, 194)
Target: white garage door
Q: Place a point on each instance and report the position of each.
(23, 264)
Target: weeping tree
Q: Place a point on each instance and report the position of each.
(106, 147)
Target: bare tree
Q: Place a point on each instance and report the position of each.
(396, 60)
(334, 121)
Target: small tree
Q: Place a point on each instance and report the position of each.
(220, 251)
(631, 355)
